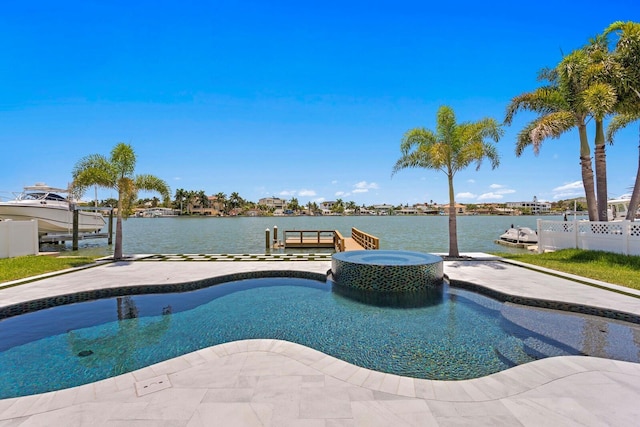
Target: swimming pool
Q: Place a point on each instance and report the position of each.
(459, 334)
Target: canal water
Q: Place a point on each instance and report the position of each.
(247, 234)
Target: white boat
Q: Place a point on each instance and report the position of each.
(617, 208)
(520, 235)
(53, 211)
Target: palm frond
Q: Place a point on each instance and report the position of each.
(551, 126)
(153, 183)
(618, 122)
(92, 170)
(542, 100)
(600, 99)
(123, 158)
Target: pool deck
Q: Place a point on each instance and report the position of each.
(277, 383)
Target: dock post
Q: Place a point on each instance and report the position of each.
(110, 238)
(267, 239)
(275, 235)
(74, 246)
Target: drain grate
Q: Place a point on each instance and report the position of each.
(152, 385)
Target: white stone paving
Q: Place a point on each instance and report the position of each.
(278, 383)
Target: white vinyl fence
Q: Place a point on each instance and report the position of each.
(619, 236)
(18, 238)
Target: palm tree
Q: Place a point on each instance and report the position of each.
(180, 196)
(560, 109)
(117, 173)
(294, 205)
(627, 56)
(338, 206)
(451, 148)
(235, 200)
(202, 200)
(601, 100)
(190, 197)
(221, 199)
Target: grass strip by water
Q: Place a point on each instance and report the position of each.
(27, 266)
(623, 270)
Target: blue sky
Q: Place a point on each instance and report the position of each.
(289, 99)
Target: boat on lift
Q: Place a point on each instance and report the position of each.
(51, 208)
(617, 208)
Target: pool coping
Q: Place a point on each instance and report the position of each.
(523, 393)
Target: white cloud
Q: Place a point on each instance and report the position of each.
(496, 186)
(569, 191)
(177, 178)
(567, 195)
(287, 193)
(306, 193)
(334, 182)
(471, 181)
(465, 196)
(576, 185)
(364, 187)
(490, 196)
(342, 194)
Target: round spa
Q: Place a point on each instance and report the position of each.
(387, 271)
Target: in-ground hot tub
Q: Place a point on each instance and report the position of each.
(387, 271)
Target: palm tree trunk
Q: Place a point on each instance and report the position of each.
(117, 252)
(587, 173)
(601, 172)
(635, 195)
(453, 224)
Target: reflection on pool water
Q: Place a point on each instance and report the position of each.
(458, 335)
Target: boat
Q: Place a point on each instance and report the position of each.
(520, 235)
(617, 208)
(51, 208)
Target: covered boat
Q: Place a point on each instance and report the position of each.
(520, 235)
(53, 211)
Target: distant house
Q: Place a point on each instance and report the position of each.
(327, 206)
(460, 209)
(383, 209)
(276, 204)
(535, 207)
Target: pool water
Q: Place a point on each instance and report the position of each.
(458, 335)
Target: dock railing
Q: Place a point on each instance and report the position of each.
(359, 240)
(308, 238)
(367, 241)
(338, 241)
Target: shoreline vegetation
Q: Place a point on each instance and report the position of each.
(608, 267)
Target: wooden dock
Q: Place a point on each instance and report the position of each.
(519, 245)
(359, 240)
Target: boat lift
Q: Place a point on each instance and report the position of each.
(75, 235)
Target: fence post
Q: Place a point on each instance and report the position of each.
(575, 232)
(626, 231)
(540, 243)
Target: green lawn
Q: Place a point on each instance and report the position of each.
(613, 268)
(27, 266)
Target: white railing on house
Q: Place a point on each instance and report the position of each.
(18, 238)
(619, 236)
